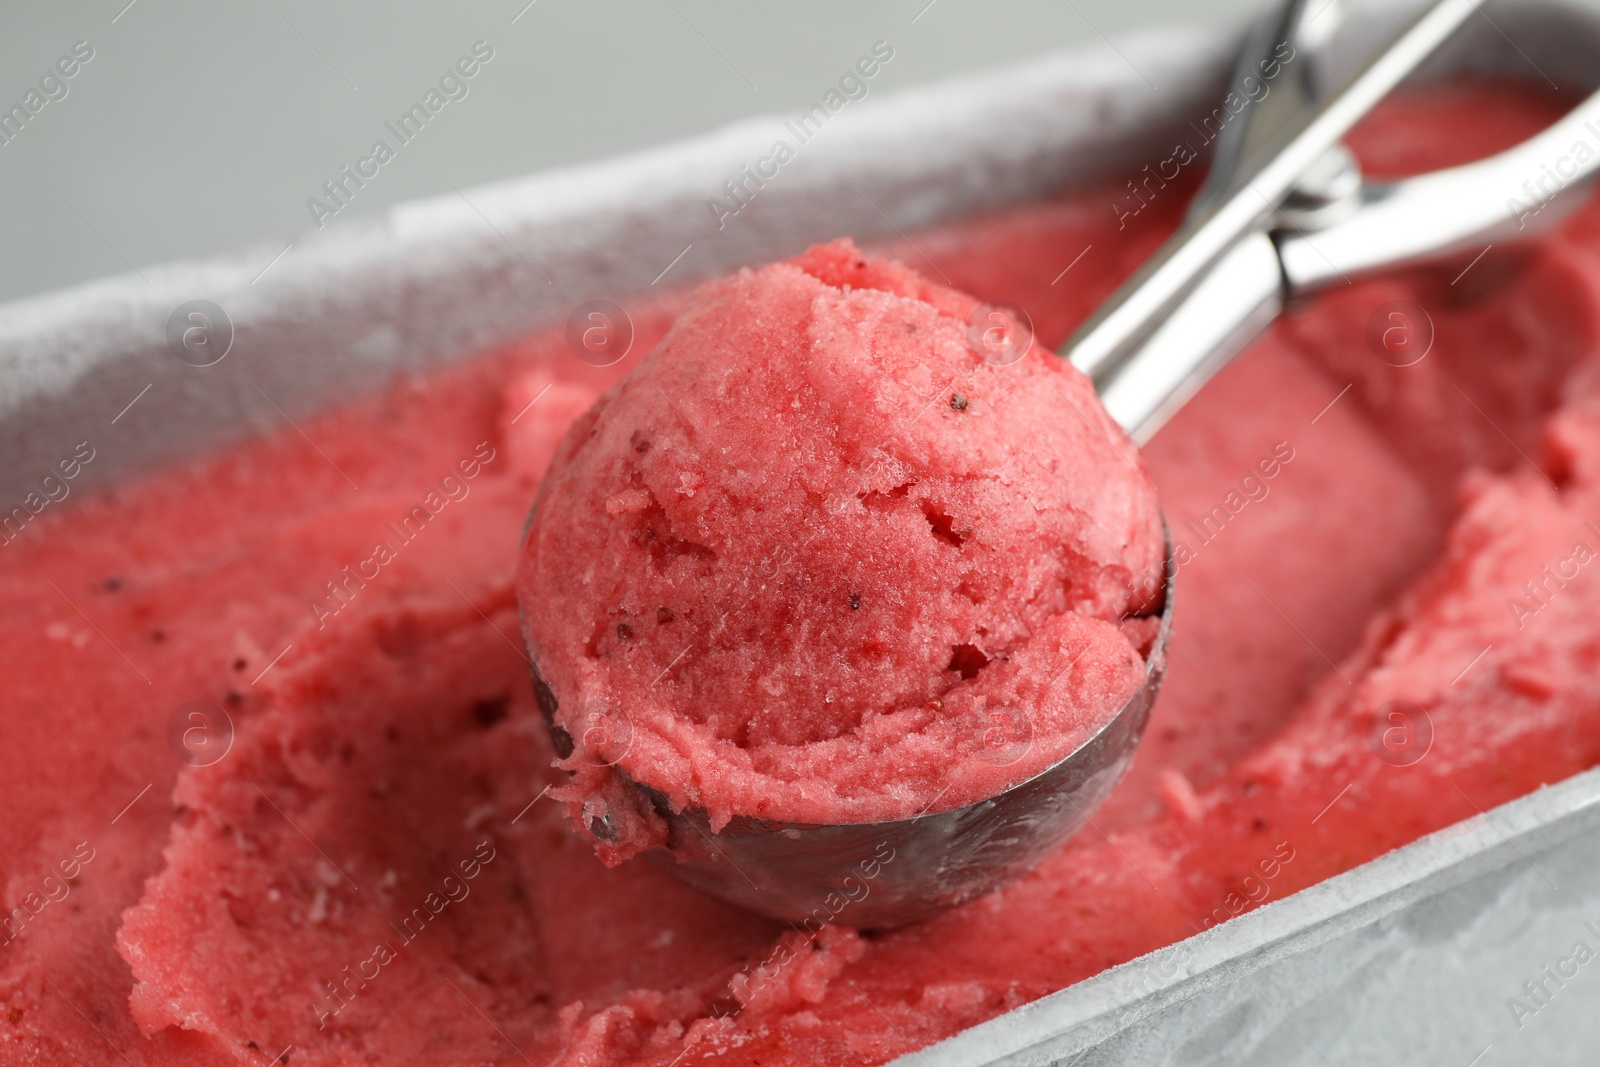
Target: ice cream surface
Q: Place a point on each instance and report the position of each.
(827, 556)
(372, 870)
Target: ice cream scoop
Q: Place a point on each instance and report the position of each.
(790, 760)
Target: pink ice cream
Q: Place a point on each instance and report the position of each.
(828, 556)
(373, 872)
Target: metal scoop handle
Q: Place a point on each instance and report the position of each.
(1246, 247)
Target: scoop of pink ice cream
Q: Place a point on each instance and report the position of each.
(822, 558)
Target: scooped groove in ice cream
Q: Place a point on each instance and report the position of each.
(825, 556)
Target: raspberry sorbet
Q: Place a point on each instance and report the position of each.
(823, 558)
(373, 871)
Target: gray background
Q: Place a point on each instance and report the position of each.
(201, 126)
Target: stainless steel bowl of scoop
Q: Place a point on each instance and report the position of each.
(885, 874)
